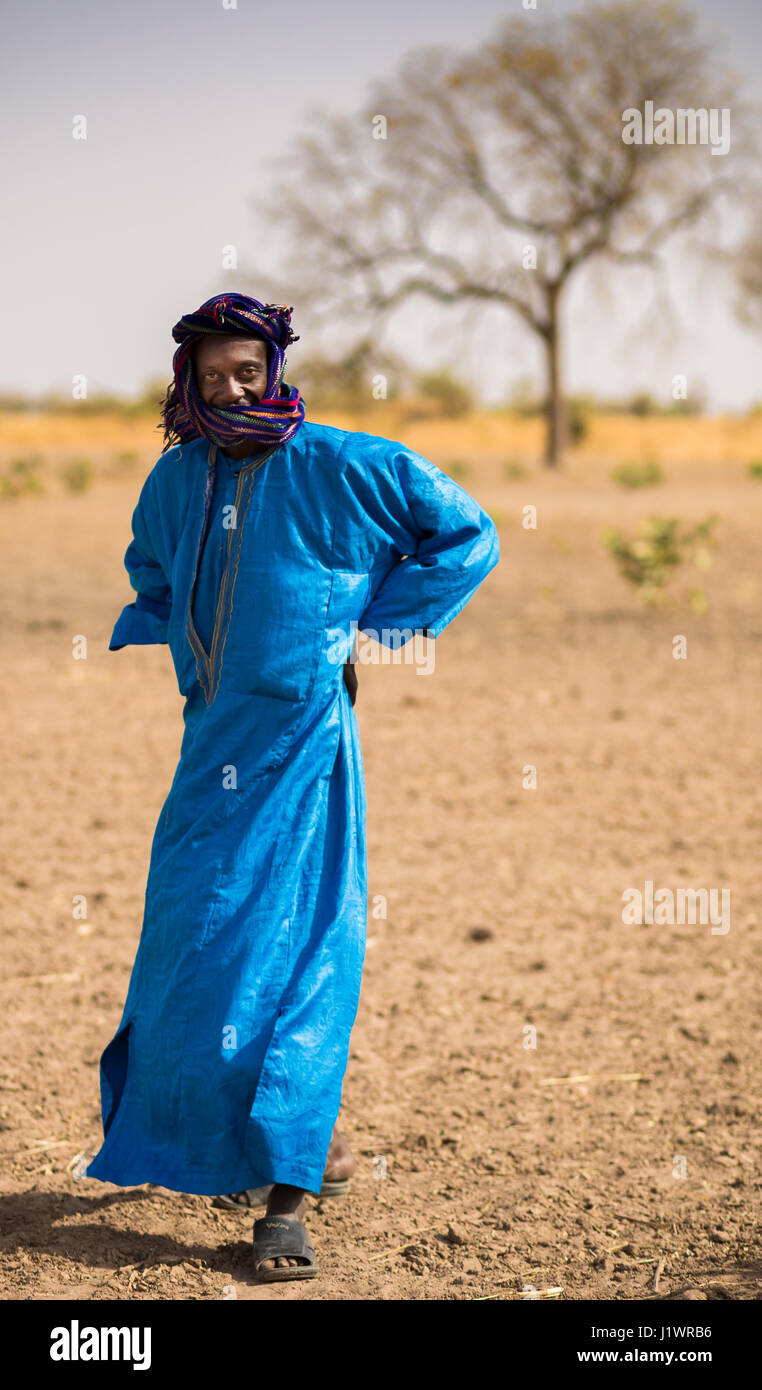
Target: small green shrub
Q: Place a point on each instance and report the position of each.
(649, 561)
(514, 470)
(698, 601)
(642, 404)
(633, 474)
(22, 475)
(578, 414)
(77, 475)
(754, 469)
(458, 468)
(452, 396)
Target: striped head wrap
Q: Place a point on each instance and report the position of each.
(279, 414)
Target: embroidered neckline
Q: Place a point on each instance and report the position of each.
(209, 664)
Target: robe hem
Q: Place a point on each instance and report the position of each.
(212, 1186)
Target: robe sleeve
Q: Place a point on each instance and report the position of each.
(448, 545)
(146, 620)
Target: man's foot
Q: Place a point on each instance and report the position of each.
(285, 1201)
(340, 1163)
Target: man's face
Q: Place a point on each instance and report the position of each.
(231, 371)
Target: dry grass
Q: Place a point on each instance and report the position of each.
(117, 445)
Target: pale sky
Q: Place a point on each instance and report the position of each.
(106, 242)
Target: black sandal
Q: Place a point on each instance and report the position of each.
(276, 1237)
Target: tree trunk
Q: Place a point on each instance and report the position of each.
(555, 408)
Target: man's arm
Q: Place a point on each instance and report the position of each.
(451, 544)
(146, 620)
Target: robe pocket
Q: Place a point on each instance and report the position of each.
(281, 666)
(277, 633)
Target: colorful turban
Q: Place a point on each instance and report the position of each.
(279, 414)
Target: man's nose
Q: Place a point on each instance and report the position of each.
(233, 393)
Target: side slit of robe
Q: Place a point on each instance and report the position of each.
(115, 1063)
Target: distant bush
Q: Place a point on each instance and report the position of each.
(352, 382)
(578, 414)
(754, 469)
(649, 561)
(514, 470)
(77, 475)
(22, 475)
(642, 404)
(579, 410)
(98, 403)
(698, 601)
(458, 468)
(695, 405)
(150, 397)
(451, 396)
(524, 400)
(633, 474)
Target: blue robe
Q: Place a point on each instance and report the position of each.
(227, 1066)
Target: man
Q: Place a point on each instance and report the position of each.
(261, 543)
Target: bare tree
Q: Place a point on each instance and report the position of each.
(749, 272)
(491, 178)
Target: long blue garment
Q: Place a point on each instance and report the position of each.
(226, 1069)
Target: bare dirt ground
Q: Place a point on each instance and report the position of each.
(477, 1177)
